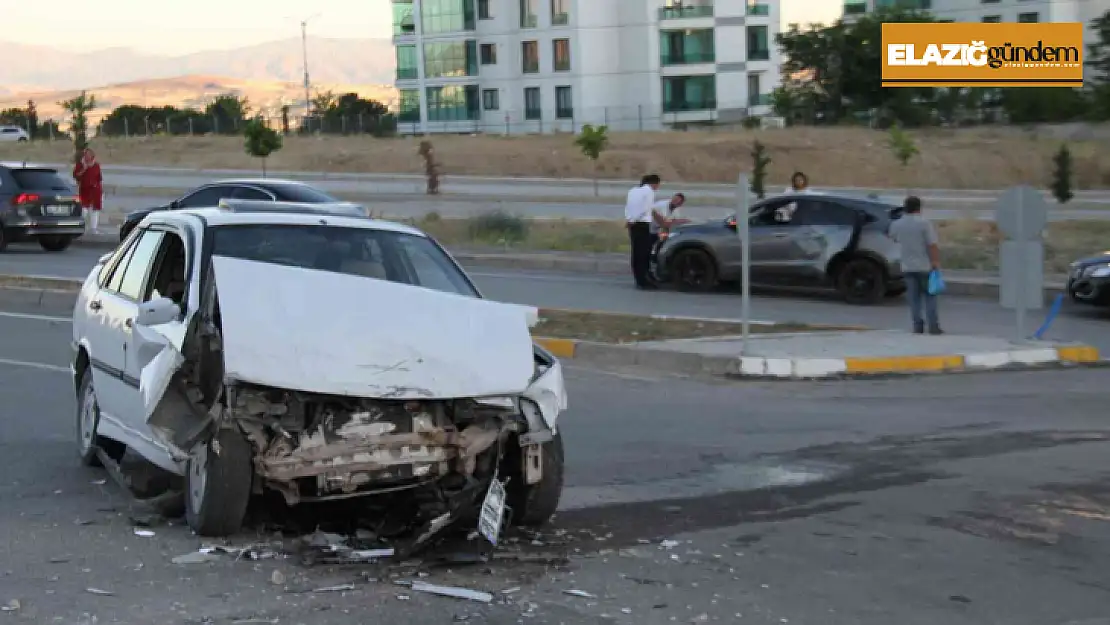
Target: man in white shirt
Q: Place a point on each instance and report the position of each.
(639, 213)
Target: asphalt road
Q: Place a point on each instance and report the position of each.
(964, 500)
(615, 293)
(418, 206)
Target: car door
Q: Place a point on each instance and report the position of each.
(206, 197)
(118, 305)
(821, 228)
(770, 230)
(100, 313)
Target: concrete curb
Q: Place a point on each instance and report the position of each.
(816, 368)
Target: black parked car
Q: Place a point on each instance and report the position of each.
(266, 190)
(37, 204)
(1089, 280)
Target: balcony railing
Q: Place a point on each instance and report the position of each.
(564, 113)
(529, 21)
(759, 99)
(560, 19)
(531, 66)
(759, 54)
(687, 58)
(408, 73)
(759, 9)
(532, 114)
(679, 13)
(855, 8)
(678, 106)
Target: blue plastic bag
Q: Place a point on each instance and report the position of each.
(936, 282)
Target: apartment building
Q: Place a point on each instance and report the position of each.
(1027, 11)
(527, 66)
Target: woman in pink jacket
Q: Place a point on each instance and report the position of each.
(90, 187)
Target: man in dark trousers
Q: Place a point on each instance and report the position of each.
(639, 213)
(920, 255)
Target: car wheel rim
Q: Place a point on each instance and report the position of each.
(198, 474)
(87, 419)
(692, 272)
(861, 282)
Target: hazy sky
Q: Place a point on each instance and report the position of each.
(182, 26)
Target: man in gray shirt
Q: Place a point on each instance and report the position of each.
(920, 256)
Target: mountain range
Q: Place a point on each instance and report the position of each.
(34, 68)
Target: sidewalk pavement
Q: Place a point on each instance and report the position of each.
(959, 283)
(817, 355)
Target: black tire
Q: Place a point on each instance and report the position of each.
(55, 242)
(896, 292)
(694, 270)
(88, 419)
(3, 240)
(21, 140)
(218, 479)
(533, 505)
(861, 281)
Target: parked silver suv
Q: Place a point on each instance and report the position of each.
(797, 240)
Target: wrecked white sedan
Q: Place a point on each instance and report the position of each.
(319, 356)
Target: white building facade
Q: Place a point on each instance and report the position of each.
(1027, 11)
(528, 66)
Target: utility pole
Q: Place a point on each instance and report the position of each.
(304, 56)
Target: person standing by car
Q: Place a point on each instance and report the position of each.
(639, 213)
(90, 187)
(920, 255)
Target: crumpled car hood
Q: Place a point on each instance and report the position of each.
(324, 332)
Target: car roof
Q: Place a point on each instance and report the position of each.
(224, 217)
(26, 165)
(262, 182)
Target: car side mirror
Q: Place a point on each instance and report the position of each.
(157, 311)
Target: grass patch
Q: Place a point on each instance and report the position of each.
(967, 158)
(965, 244)
(619, 328)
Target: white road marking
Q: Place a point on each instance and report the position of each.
(34, 365)
(15, 315)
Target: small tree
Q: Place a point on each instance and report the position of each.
(431, 167)
(760, 161)
(32, 120)
(593, 140)
(285, 119)
(1061, 175)
(902, 145)
(261, 140)
(78, 109)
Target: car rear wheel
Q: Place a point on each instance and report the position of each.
(533, 505)
(861, 281)
(3, 240)
(55, 242)
(218, 479)
(694, 270)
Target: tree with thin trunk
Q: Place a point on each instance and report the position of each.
(78, 109)
(593, 140)
(261, 141)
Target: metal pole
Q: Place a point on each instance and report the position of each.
(304, 57)
(743, 231)
(1021, 282)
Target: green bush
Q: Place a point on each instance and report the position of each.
(497, 226)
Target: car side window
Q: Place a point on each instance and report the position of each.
(774, 213)
(249, 193)
(114, 266)
(207, 197)
(169, 277)
(140, 264)
(823, 213)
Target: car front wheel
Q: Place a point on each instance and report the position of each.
(88, 418)
(533, 505)
(218, 483)
(694, 270)
(861, 281)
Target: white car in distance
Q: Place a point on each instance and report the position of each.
(270, 346)
(13, 133)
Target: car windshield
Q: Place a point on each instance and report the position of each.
(301, 193)
(377, 254)
(39, 180)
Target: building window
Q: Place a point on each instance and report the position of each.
(855, 8)
(489, 54)
(758, 44)
(403, 23)
(483, 10)
(451, 59)
(446, 16)
(989, 1)
(409, 108)
(406, 63)
(530, 57)
(992, 19)
(532, 109)
(689, 93)
(759, 9)
(1028, 18)
(529, 12)
(679, 47)
(561, 50)
(560, 12)
(564, 103)
(491, 99)
(453, 103)
(753, 89)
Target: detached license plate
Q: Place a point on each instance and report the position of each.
(57, 211)
(493, 512)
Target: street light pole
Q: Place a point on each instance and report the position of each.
(304, 56)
